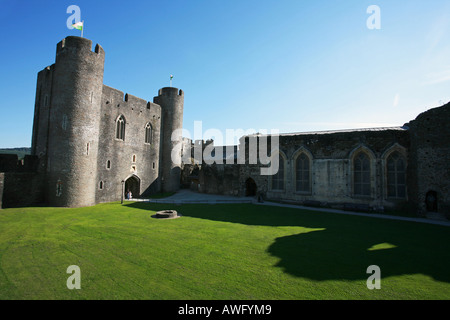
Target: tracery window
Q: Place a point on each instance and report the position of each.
(396, 176)
(120, 128)
(361, 175)
(278, 178)
(302, 173)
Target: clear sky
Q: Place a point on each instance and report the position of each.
(299, 65)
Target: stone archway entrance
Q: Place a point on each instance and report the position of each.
(132, 184)
(250, 188)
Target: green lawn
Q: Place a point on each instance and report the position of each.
(234, 251)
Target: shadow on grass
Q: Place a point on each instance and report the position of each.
(345, 246)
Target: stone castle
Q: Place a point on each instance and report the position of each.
(91, 141)
(91, 144)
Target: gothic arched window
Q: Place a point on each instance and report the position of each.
(278, 178)
(361, 175)
(120, 128)
(396, 176)
(302, 173)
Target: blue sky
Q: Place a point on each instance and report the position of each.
(300, 65)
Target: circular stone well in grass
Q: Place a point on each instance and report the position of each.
(166, 214)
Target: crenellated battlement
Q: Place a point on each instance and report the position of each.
(48, 69)
(135, 100)
(12, 163)
(78, 43)
(156, 108)
(170, 91)
(116, 98)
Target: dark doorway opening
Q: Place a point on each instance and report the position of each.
(250, 188)
(431, 201)
(132, 184)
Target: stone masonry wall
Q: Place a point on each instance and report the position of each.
(118, 160)
(430, 159)
(331, 155)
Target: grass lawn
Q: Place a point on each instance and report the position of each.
(233, 251)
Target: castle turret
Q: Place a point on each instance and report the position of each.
(171, 101)
(73, 124)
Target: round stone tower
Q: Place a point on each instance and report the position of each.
(74, 123)
(171, 101)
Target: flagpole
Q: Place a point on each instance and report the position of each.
(82, 28)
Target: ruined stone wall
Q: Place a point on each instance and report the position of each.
(219, 179)
(11, 163)
(20, 182)
(331, 156)
(430, 160)
(22, 189)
